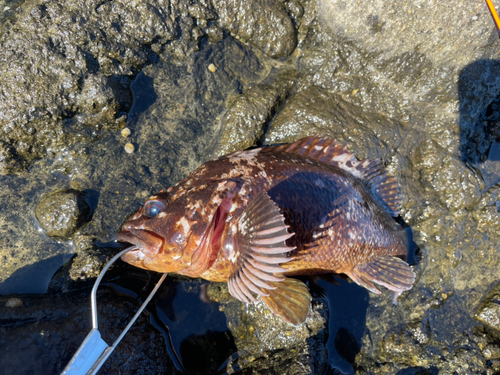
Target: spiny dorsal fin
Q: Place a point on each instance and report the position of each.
(383, 185)
(259, 249)
(393, 273)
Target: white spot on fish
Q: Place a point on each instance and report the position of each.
(177, 238)
(249, 156)
(318, 147)
(185, 225)
(232, 255)
(319, 183)
(162, 214)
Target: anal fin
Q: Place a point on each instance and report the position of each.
(290, 300)
(391, 272)
(258, 248)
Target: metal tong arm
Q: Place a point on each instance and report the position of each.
(94, 351)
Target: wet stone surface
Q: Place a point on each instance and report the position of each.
(267, 343)
(275, 33)
(41, 336)
(246, 119)
(192, 80)
(62, 213)
(488, 311)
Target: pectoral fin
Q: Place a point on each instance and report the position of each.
(258, 248)
(290, 300)
(391, 272)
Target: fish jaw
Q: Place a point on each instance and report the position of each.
(147, 247)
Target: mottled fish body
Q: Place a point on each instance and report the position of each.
(254, 218)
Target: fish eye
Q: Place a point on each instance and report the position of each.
(153, 208)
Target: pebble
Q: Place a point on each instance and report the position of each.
(126, 132)
(129, 148)
(14, 302)
(212, 68)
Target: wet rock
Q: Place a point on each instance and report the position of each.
(202, 11)
(404, 344)
(245, 121)
(214, 34)
(87, 264)
(294, 8)
(488, 311)
(394, 30)
(266, 343)
(62, 213)
(41, 336)
(64, 66)
(194, 103)
(261, 23)
(490, 168)
(491, 352)
(479, 108)
(417, 98)
(8, 10)
(9, 161)
(14, 302)
(90, 258)
(456, 184)
(318, 111)
(402, 350)
(101, 100)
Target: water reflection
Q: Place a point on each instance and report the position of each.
(347, 323)
(21, 281)
(196, 335)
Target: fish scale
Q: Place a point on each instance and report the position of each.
(258, 217)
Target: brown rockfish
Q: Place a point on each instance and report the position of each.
(254, 218)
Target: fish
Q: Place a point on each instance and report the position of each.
(256, 218)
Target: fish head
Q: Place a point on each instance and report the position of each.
(175, 230)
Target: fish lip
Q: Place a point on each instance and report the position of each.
(134, 255)
(147, 242)
(125, 237)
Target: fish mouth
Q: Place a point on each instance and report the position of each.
(135, 255)
(146, 243)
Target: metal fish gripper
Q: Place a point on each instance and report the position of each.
(94, 351)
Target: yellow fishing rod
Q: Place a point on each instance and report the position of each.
(494, 14)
